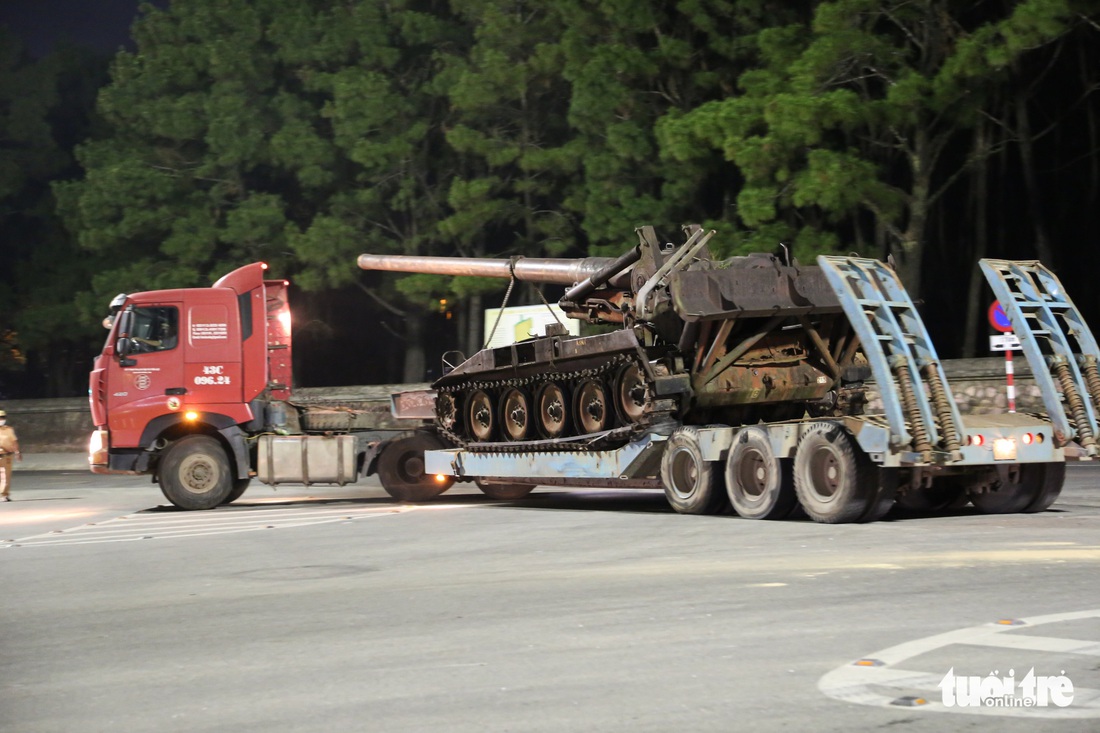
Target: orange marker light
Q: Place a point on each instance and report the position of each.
(190, 416)
(440, 478)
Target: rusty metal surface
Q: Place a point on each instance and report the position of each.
(413, 405)
(742, 292)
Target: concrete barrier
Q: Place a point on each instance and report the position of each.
(53, 433)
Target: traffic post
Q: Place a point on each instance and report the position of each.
(1004, 341)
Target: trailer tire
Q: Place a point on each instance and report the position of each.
(401, 468)
(885, 495)
(1038, 486)
(1054, 476)
(947, 493)
(690, 482)
(194, 473)
(240, 485)
(760, 485)
(504, 492)
(835, 481)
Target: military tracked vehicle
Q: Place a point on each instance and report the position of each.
(734, 341)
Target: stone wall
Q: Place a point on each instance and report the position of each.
(979, 386)
(63, 425)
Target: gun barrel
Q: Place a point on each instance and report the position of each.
(559, 271)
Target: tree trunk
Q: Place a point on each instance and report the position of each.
(1031, 182)
(472, 336)
(979, 210)
(415, 362)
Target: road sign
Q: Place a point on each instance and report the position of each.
(1004, 342)
(998, 318)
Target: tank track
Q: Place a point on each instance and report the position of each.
(656, 413)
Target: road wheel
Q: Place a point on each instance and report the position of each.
(630, 394)
(834, 480)
(515, 415)
(1032, 487)
(760, 485)
(1054, 475)
(691, 483)
(240, 485)
(591, 407)
(401, 468)
(550, 407)
(194, 473)
(479, 416)
(504, 492)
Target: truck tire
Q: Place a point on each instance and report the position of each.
(690, 483)
(834, 480)
(505, 492)
(240, 485)
(760, 485)
(194, 473)
(401, 468)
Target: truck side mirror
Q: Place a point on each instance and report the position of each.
(123, 348)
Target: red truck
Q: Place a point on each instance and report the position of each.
(193, 387)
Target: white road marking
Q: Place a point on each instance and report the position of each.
(158, 525)
(877, 680)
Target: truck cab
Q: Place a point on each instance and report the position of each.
(202, 367)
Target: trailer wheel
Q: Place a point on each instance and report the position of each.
(885, 494)
(691, 483)
(760, 485)
(1036, 487)
(240, 485)
(1054, 475)
(504, 492)
(834, 480)
(195, 473)
(401, 469)
(947, 493)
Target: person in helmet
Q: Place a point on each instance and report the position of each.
(9, 446)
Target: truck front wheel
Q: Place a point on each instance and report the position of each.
(401, 469)
(195, 473)
(240, 485)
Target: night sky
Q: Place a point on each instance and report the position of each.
(102, 25)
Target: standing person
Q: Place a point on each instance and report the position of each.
(9, 446)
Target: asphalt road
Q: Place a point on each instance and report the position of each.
(339, 610)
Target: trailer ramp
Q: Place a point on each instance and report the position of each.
(1057, 343)
(919, 407)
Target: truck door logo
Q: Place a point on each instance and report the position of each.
(143, 378)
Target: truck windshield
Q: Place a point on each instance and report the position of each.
(154, 328)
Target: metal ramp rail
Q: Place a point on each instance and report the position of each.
(919, 407)
(1057, 343)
